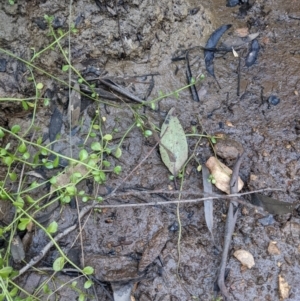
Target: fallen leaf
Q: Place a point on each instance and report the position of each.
(245, 258)
(17, 249)
(208, 204)
(271, 205)
(273, 249)
(173, 146)
(221, 174)
(56, 122)
(74, 106)
(63, 179)
(284, 288)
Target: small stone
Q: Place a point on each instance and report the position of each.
(267, 220)
(273, 100)
(245, 211)
(245, 258)
(284, 288)
(273, 249)
(253, 177)
(228, 148)
(265, 153)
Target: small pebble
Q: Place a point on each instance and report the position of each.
(267, 220)
(273, 249)
(174, 227)
(57, 22)
(273, 100)
(41, 23)
(245, 258)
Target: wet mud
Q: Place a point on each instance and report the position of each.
(126, 39)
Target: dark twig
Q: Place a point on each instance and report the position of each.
(230, 224)
(189, 77)
(109, 83)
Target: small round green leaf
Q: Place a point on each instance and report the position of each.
(39, 86)
(117, 169)
(23, 223)
(22, 148)
(106, 163)
(88, 284)
(49, 165)
(88, 270)
(26, 156)
(96, 146)
(107, 137)
(65, 68)
(16, 128)
(4, 272)
(81, 297)
(8, 160)
(44, 152)
(58, 264)
(24, 105)
(13, 176)
(52, 228)
(83, 155)
(53, 180)
(117, 153)
(1, 134)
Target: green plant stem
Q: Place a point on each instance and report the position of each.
(49, 46)
(126, 133)
(22, 290)
(48, 150)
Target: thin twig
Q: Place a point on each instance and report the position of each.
(87, 209)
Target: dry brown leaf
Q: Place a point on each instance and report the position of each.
(245, 258)
(284, 288)
(64, 178)
(242, 32)
(221, 174)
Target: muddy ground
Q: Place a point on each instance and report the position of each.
(132, 38)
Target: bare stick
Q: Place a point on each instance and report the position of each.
(230, 225)
(87, 209)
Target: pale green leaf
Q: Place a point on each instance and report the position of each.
(83, 155)
(58, 264)
(173, 145)
(88, 270)
(117, 153)
(107, 137)
(52, 228)
(88, 284)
